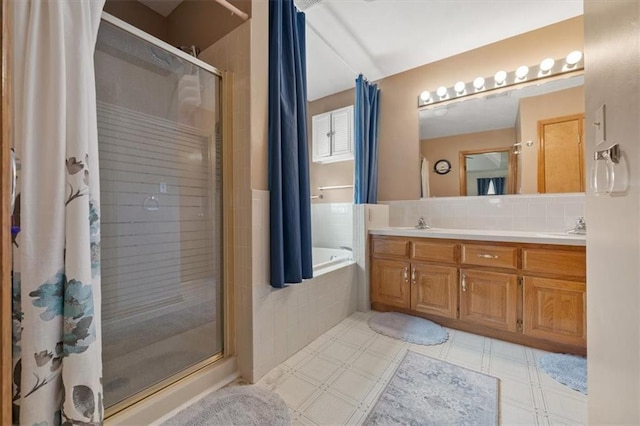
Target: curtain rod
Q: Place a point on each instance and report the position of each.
(321, 188)
(234, 10)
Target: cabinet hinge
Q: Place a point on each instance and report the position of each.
(519, 325)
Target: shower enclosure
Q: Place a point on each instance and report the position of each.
(161, 198)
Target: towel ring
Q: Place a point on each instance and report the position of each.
(151, 204)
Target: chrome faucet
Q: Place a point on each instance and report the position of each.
(422, 224)
(580, 228)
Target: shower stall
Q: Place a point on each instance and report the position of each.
(160, 150)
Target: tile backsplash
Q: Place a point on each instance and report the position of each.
(548, 212)
(332, 224)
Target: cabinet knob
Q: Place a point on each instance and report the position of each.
(463, 282)
(413, 275)
(406, 274)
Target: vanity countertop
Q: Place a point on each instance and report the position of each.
(558, 238)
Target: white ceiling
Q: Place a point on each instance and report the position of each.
(379, 38)
(163, 7)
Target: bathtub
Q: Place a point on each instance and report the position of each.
(328, 259)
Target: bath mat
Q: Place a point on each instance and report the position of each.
(427, 391)
(238, 405)
(570, 370)
(408, 328)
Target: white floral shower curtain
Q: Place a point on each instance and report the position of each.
(56, 281)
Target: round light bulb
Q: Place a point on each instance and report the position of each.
(425, 96)
(574, 57)
(459, 87)
(442, 91)
(522, 71)
(547, 64)
(500, 77)
(478, 83)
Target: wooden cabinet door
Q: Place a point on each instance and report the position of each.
(555, 310)
(390, 282)
(434, 289)
(489, 299)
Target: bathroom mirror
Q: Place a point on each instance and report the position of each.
(512, 123)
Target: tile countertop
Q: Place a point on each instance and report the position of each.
(558, 238)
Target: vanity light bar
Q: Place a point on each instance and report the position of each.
(523, 74)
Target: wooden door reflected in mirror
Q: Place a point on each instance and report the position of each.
(487, 172)
(561, 154)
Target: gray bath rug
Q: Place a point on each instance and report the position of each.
(427, 391)
(570, 370)
(408, 328)
(238, 405)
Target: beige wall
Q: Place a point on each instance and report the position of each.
(612, 54)
(340, 173)
(202, 23)
(399, 167)
(449, 147)
(232, 53)
(533, 109)
(138, 15)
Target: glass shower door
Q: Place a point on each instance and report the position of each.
(161, 201)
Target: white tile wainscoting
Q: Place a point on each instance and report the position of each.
(286, 320)
(536, 212)
(332, 224)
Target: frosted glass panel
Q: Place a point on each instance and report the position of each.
(161, 194)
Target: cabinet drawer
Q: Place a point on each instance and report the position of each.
(558, 262)
(390, 247)
(485, 255)
(434, 252)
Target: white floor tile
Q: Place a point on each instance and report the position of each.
(370, 364)
(329, 409)
(356, 338)
(339, 351)
(353, 385)
(515, 415)
(339, 376)
(573, 408)
(318, 369)
(295, 390)
(386, 347)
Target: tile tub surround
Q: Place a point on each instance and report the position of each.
(546, 212)
(332, 224)
(339, 376)
(286, 320)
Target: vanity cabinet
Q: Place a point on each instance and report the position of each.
(489, 299)
(425, 280)
(555, 295)
(531, 294)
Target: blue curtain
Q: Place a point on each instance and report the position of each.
(498, 184)
(366, 112)
(483, 185)
(290, 205)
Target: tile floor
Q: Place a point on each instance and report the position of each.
(338, 377)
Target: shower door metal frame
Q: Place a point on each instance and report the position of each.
(228, 325)
(6, 365)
